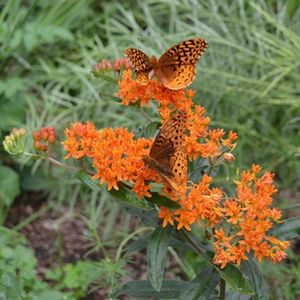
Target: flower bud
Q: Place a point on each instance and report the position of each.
(15, 142)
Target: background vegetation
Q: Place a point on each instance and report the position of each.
(248, 81)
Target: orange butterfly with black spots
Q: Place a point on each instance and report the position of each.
(175, 69)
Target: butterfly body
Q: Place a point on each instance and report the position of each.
(168, 155)
(175, 69)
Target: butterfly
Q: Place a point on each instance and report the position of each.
(168, 156)
(175, 69)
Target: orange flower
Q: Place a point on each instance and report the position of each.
(131, 91)
(166, 215)
(229, 142)
(250, 217)
(233, 211)
(80, 140)
(185, 218)
(238, 254)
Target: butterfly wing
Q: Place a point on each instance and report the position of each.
(169, 150)
(141, 64)
(177, 67)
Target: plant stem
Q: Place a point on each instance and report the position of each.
(128, 238)
(191, 241)
(60, 164)
(54, 161)
(222, 289)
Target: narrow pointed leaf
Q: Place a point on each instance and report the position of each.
(128, 197)
(252, 269)
(287, 230)
(162, 201)
(88, 180)
(236, 280)
(142, 289)
(156, 255)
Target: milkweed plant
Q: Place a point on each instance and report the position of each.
(239, 223)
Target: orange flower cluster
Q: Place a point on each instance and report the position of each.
(201, 142)
(201, 203)
(250, 216)
(44, 137)
(115, 155)
(239, 224)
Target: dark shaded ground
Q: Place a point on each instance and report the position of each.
(58, 238)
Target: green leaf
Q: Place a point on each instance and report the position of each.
(236, 279)
(287, 230)
(11, 286)
(156, 255)
(292, 7)
(9, 185)
(147, 131)
(142, 289)
(12, 115)
(252, 269)
(88, 180)
(162, 201)
(202, 287)
(128, 197)
(49, 295)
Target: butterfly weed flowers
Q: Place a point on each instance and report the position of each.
(239, 224)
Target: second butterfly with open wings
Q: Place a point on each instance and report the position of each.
(175, 69)
(168, 156)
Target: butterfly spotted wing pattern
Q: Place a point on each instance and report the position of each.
(141, 63)
(169, 151)
(177, 67)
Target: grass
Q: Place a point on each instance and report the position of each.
(248, 80)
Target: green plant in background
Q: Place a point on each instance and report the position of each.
(18, 278)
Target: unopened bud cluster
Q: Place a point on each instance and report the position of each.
(15, 142)
(44, 137)
(116, 66)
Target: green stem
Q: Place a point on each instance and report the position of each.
(60, 164)
(222, 289)
(128, 238)
(189, 239)
(53, 161)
